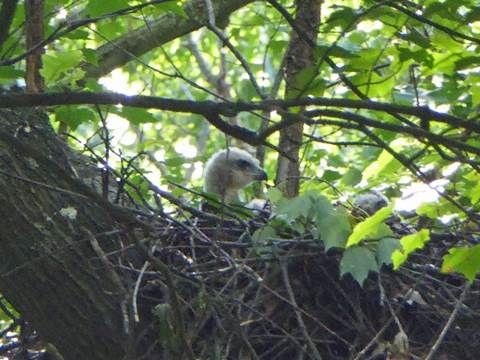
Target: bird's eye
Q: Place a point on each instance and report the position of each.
(243, 164)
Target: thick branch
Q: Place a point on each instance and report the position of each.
(212, 112)
(227, 109)
(157, 33)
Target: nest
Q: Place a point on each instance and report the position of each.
(207, 291)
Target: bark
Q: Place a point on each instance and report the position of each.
(300, 55)
(50, 271)
(34, 35)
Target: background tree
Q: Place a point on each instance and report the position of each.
(378, 95)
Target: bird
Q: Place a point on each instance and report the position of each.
(369, 202)
(230, 170)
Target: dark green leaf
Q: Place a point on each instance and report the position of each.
(385, 249)
(352, 177)
(96, 8)
(358, 261)
(74, 116)
(137, 116)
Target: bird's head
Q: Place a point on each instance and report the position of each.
(230, 170)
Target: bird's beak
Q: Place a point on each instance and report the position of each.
(261, 175)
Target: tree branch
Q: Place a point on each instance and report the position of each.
(157, 33)
(433, 24)
(69, 26)
(227, 109)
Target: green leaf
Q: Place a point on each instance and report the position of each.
(416, 37)
(136, 115)
(467, 62)
(358, 261)
(304, 78)
(93, 85)
(409, 243)
(369, 227)
(260, 239)
(335, 51)
(73, 115)
(474, 194)
(164, 321)
(420, 56)
(55, 64)
(352, 177)
(385, 164)
(264, 234)
(473, 15)
(90, 56)
(294, 208)
(434, 210)
(78, 34)
(385, 249)
(246, 90)
(330, 175)
(274, 195)
(176, 161)
(173, 7)
(9, 72)
(96, 8)
(333, 228)
(342, 18)
(464, 260)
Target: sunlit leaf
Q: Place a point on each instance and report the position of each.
(369, 227)
(9, 72)
(409, 243)
(464, 260)
(385, 163)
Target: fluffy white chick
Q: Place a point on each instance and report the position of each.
(228, 171)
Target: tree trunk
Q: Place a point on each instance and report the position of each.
(300, 55)
(49, 269)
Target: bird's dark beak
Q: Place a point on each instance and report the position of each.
(261, 175)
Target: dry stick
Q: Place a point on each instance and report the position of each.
(298, 315)
(373, 341)
(114, 278)
(449, 323)
(394, 315)
(135, 291)
(174, 299)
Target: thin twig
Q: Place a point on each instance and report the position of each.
(449, 323)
